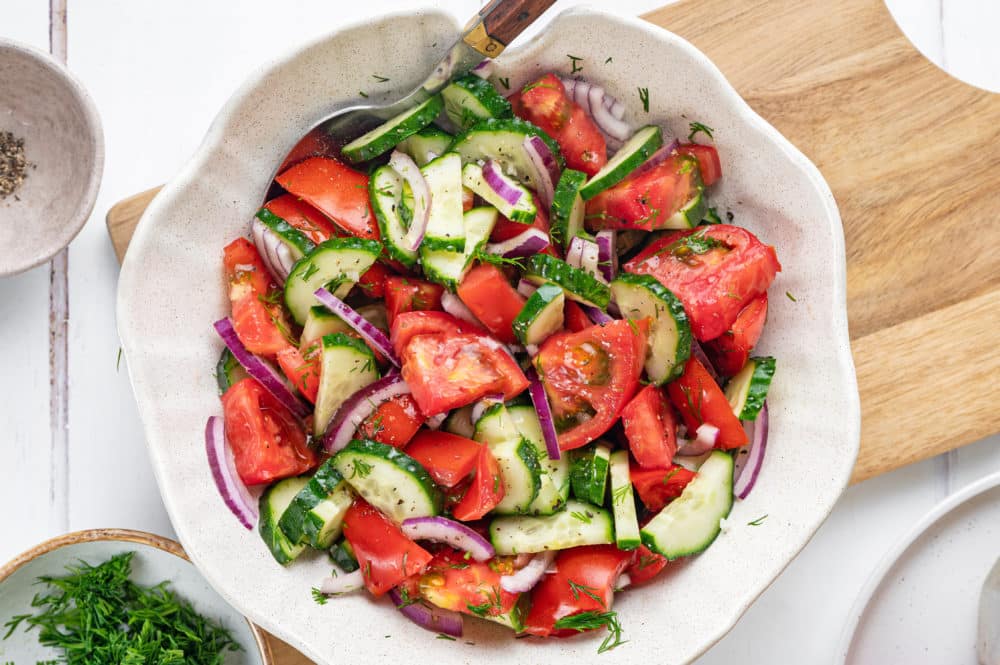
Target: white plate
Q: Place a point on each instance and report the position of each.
(156, 559)
(171, 290)
(920, 607)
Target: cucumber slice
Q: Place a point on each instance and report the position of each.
(388, 479)
(426, 145)
(448, 268)
(541, 316)
(387, 135)
(516, 456)
(669, 342)
(589, 472)
(445, 227)
(334, 263)
(689, 523)
(568, 207)
(470, 99)
(297, 241)
(553, 493)
(460, 422)
(386, 190)
(347, 366)
(321, 322)
(273, 504)
(636, 150)
(579, 524)
(747, 390)
(524, 211)
(691, 214)
(502, 140)
(228, 371)
(342, 554)
(316, 514)
(578, 285)
(623, 503)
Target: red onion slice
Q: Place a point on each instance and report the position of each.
(748, 466)
(657, 157)
(585, 255)
(607, 253)
(344, 583)
(260, 370)
(605, 121)
(699, 354)
(435, 422)
(433, 619)
(525, 579)
(480, 407)
(545, 419)
(574, 254)
(484, 69)
(276, 255)
(454, 306)
(616, 108)
(404, 165)
(596, 314)
(707, 434)
(359, 407)
(223, 465)
(500, 183)
(693, 447)
(370, 333)
(527, 243)
(526, 288)
(444, 530)
(546, 167)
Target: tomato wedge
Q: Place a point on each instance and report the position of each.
(410, 324)
(486, 490)
(730, 351)
(338, 191)
(656, 487)
(646, 566)
(589, 376)
(699, 399)
(708, 161)
(405, 294)
(464, 585)
(584, 581)
(373, 280)
(715, 271)
(446, 371)
(303, 216)
(245, 270)
(574, 318)
(385, 555)
(647, 199)
(259, 326)
(650, 428)
(302, 370)
(268, 442)
(394, 422)
(490, 297)
(449, 458)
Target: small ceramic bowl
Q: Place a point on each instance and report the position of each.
(156, 559)
(45, 105)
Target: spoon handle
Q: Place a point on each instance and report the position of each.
(499, 22)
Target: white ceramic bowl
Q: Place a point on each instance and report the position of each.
(171, 290)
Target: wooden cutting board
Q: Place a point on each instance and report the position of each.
(913, 158)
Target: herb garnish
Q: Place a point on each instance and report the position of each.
(619, 496)
(118, 363)
(790, 296)
(644, 98)
(608, 60)
(505, 82)
(361, 469)
(363, 94)
(319, 596)
(758, 521)
(577, 589)
(697, 127)
(592, 621)
(575, 61)
(583, 517)
(380, 79)
(442, 636)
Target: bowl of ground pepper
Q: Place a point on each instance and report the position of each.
(51, 157)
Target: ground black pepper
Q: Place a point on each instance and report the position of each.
(13, 164)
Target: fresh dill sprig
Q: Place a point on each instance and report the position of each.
(592, 621)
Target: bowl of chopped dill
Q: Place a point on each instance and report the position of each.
(111, 596)
(51, 157)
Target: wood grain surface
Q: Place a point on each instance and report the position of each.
(913, 158)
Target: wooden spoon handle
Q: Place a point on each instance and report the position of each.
(500, 22)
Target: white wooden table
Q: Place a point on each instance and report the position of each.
(71, 444)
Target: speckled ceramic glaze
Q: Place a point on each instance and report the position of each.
(165, 323)
(43, 104)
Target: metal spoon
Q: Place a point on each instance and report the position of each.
(988, 640)
(485, 36)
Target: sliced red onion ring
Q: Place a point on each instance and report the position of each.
(707, 434)
(605, 121)
(585, 255)
(454, 306)
(484, 69)
(574, 254)
(370, 333)
(359, 407)
(435, 422)
(546, 167)
(607, 254)
(693, 447)
(596, 314)
(276, 255)
(260, 370)
(496, 180)
(223, 465)
(433, 619)
(616, 108)
(624, 581)
(658, 157)
(345, 583)
(444, 530)
(526, 288)
(526, 578)
(545, 419)
(527, 243)
(483, 404)
(404, 165)
(748, 466)
(699, 354)
(531, 349)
